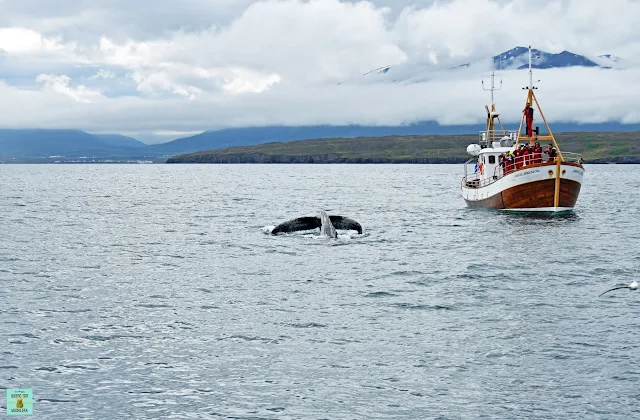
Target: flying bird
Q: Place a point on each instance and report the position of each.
(632, 286)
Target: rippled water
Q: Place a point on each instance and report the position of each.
(153, 292)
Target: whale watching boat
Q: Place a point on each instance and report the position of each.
(510, 171)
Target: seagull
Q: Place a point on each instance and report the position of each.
(632, 286)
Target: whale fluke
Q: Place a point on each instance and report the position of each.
(301, 223)
(327, 224)
(344, 223)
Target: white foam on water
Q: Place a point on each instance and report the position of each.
(344, 237)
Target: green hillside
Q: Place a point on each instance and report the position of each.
(621, 147)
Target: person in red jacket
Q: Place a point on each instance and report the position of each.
(553, 154)
(520, 157)
(537, 153)
(528, 113)
(527, 156)
(509, 163)
(551, 151)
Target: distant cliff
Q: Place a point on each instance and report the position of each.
(619, 147)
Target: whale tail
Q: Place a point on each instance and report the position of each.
(313, 222)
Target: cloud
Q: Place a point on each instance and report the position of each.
(226, 63)
(103, 74)
(62, 84)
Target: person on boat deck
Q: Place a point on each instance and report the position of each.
(552, 152)
(537, 153)
(520, 157)
(528, 113)
(532, 154)
(509, 162)
(526, 155)
(504, 159)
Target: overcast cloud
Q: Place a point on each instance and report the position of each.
(168, 67)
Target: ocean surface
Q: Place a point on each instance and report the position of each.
(153, 291)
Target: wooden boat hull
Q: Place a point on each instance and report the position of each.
(530, 189)
(533, 196)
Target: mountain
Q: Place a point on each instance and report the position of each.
(76, 143)
(45, 143)
(258, 135)
(213, 140)
(611, 61)
(514, 59)
(119, 140)
(518, 58)
(613, 58)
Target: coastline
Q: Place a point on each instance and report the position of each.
(283, 159)
(615, 147)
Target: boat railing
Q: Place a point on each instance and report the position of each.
(486, 138)
(475, 180)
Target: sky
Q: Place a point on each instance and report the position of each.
(160, 69)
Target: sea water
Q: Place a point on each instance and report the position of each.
(155, 291)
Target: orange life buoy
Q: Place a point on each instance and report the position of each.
(481, 167)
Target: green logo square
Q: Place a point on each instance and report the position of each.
(19, 402)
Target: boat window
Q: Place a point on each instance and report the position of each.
(492, 159)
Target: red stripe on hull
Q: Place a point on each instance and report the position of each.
(535, 194)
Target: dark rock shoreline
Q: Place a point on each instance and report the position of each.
(335, 158)
(328, 158)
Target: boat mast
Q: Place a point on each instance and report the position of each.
(491, 113)
(530, 72)
(531, 98)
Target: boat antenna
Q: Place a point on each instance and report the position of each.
(491, 113)
(493, 87)
(531, 86)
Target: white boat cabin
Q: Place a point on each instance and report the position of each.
(487, 157)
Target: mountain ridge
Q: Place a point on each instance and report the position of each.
(518, 58)
(76, 143)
